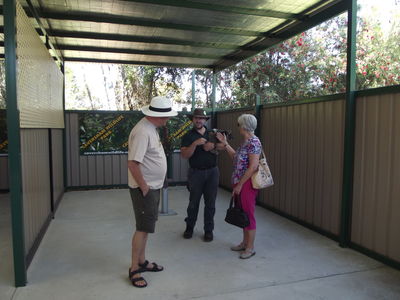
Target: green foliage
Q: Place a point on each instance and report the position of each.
(378, 55)
(172, 133)
(141, 83)
(204, 78)
(78, 92)
(310, 64)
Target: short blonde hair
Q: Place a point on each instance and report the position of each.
(247, 122)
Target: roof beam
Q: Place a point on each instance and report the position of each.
(133, 62)
(280, 33)
(312, 21)
(222, 8)
(138, 39)
(134, 51)
(125, 20)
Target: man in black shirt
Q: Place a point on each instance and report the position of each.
(203, 175)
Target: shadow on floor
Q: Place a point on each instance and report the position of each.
(86, 253)
(6, 258)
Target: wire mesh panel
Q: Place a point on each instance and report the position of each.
(40, 82)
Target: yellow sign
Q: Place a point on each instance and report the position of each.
(177, 134)
(180, 132)
(3, 144)
(105, 132)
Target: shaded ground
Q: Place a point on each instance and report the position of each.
(86, 254)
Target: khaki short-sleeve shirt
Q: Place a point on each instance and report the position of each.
(145, 147)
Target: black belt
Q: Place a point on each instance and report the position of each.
(203, 168)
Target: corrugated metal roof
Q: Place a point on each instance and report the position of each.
(196, 33)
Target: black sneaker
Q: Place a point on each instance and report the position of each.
(188, 233)
(208, 236)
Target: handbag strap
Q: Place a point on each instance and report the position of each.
(233, 204)
(262, 152)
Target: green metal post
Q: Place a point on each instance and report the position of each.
(213, 97)
(193, 89)
(14, 147)
(258, 114)
(64, 134)
(349, 134)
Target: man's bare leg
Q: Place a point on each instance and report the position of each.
(139, 240)
(142, 254)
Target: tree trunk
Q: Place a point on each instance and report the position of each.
(92, 104)
(105, 86)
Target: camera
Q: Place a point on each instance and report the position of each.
(212, 135)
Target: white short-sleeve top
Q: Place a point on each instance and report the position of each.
(145, 147)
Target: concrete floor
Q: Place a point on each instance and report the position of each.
(86, 253)
(6, 262)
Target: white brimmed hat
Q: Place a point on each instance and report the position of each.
(160, 106)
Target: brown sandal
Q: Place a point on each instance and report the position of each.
(135, 281)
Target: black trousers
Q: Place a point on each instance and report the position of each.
(202, 183)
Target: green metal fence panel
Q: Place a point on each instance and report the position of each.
(57, 165)
(35, 185)
(376, 206)
(303, 146)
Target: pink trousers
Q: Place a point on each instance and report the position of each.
(248, 202)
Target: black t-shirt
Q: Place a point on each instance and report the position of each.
(200, 159)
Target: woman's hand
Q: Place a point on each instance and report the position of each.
(237, 189)
(221, 137)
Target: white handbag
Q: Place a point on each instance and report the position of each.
(262, 178)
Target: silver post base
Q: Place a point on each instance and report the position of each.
(168, 213)
(165, 211)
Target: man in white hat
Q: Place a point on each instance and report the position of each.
(147, 167)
